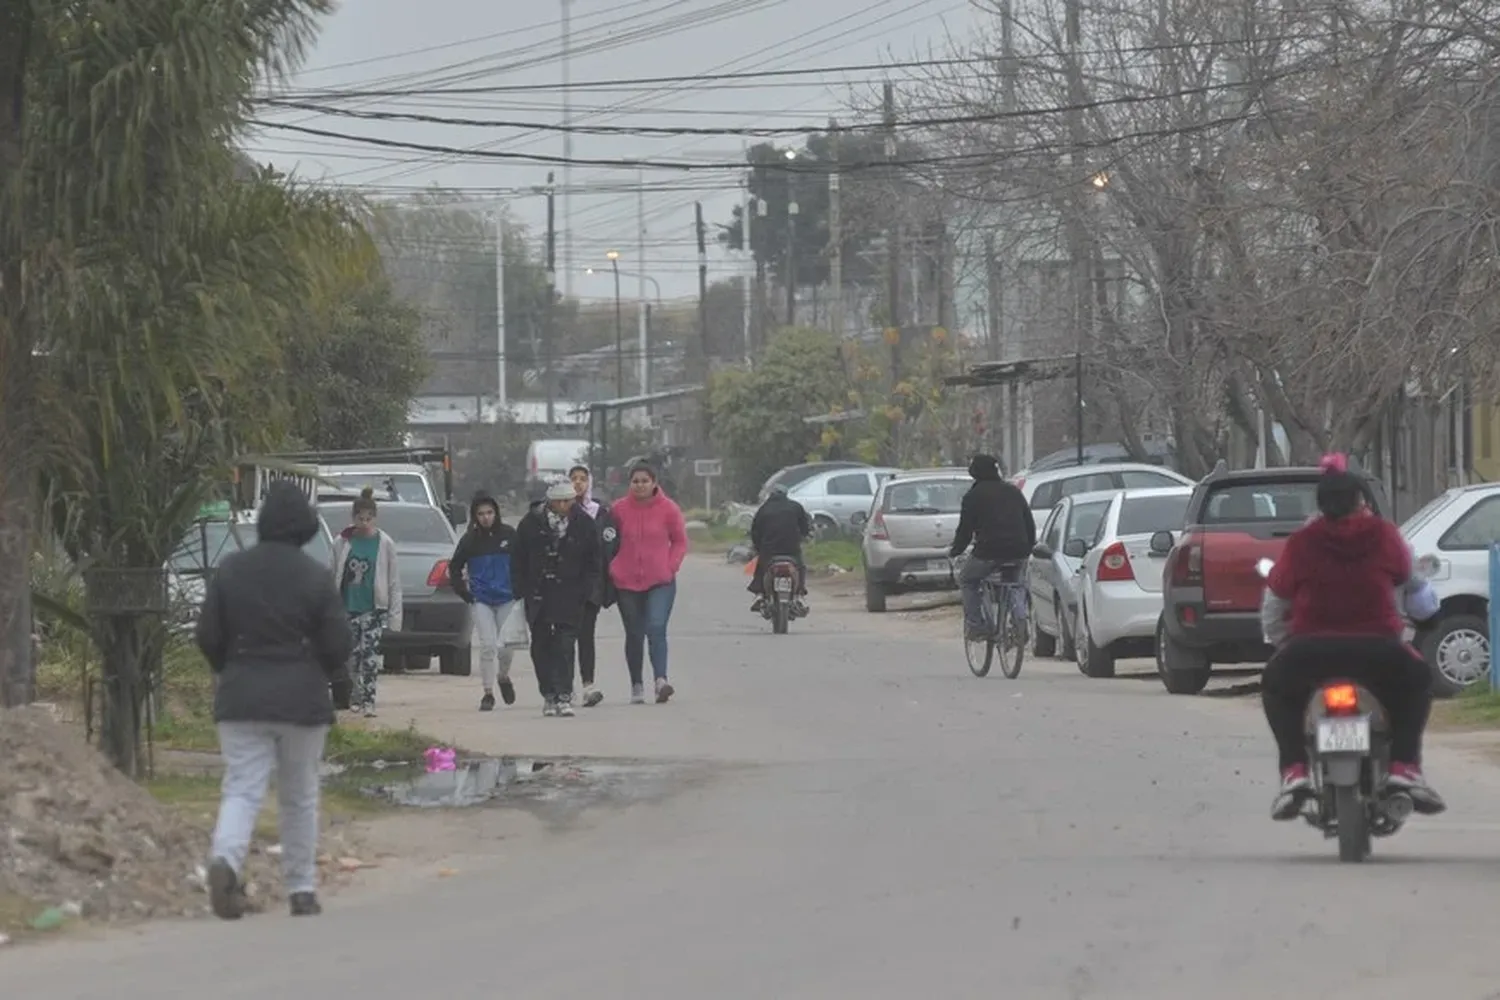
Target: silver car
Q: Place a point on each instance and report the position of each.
(1119, 580)
(837, 500)
(1044, 489)
(908, 532)
(1050, 571)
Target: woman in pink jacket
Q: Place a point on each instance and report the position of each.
(651, 546)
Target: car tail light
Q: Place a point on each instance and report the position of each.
(1341, 699)
(1187, 562)
(439, 575)
(1114, 565)
(877, 528)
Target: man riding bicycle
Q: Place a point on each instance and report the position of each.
(997, 519)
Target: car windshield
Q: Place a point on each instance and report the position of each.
(223, 538)
(404, 486)
(412, 523)
(931, 496)
(1148, 515)
(1084, 523)
(1283, 501)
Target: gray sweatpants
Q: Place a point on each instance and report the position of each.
(251, 752)
(494, 659)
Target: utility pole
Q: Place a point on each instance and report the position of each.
(747, 275)
(500, 388)
(549, 331)
(893, 239)
(835, 234)
(1079, 257)
(643, 323)
(791, 240)
(567, 124)
(702, 286)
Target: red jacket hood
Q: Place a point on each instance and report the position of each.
(1348, 539)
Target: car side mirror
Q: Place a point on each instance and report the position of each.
(1042, 551)
(1161, 543)
(859, 518)
(458, 512)
(1075, 548)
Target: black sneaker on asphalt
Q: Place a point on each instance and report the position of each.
(592, 698)
(507, 692)
(225, 894)
(487, 703)
(305, 904)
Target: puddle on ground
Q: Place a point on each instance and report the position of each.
(516, 780)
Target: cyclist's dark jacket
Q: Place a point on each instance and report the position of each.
(997, 519)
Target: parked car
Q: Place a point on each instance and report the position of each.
(1044, 489)
(436, 620)
(839, 500)
(1050, 571)
(794, 474)
(217, 532)
(1158, 452)
(1120, 575)
(1451, 537)
(1212, 592)
(906, 538)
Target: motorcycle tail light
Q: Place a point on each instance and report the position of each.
(1341, 699)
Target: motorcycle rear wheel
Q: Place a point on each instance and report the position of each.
(1353, 824)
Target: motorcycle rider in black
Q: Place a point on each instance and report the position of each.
(777, 530)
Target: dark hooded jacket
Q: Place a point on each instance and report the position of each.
(1341, 576)
(486, 553)
(779, 527)
(556, 575)
(994, 516)
(273, 627)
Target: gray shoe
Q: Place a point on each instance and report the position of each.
(592, 697)
(549, 708)
(565, 706)
(638, 694)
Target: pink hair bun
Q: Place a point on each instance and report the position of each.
(1334, 462)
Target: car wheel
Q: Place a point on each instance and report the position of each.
(393, 663)
(1066, 650)
(824, 528)
(1042, 644)
(1183, 670)
(1457, 648)
(1092, 661)
(456, 662)
(874, 597)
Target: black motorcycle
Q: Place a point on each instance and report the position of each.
(780, 582)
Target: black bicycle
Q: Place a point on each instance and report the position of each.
(1003, 629)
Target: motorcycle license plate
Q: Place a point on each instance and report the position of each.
(1344, 735)
(783, 585)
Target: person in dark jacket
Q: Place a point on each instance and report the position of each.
(555, 565)
(603, 595)
(275, 633)
(996, 518)
(479, 572)
(777, 530)
(1341, 575)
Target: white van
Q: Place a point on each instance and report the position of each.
(549, 460)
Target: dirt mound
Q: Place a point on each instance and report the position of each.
(75, 832)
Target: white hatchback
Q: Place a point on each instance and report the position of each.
(1043, 490)
(1118, 582)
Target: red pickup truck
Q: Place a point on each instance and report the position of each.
(1211, 592)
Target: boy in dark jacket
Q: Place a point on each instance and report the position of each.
(480, 573)
(274, 631)
(555, 564)
(997, 519)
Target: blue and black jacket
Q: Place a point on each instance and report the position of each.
(485, 553)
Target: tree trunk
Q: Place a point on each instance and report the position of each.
(124, 644)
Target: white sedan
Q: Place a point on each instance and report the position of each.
(1118, 582)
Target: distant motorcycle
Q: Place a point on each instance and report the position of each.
(1349, 753)
(780, 579)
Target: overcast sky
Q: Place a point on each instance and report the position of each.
(406, 45)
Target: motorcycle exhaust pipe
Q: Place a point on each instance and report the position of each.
(1398, 807)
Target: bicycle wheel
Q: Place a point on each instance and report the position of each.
(1012, 638)
(981, 652)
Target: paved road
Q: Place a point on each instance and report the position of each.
(878, 824)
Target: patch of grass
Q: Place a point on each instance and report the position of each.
(195, 797)
(1477, 707)
(840, 552)
(717, 536)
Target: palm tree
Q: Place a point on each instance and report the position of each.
(148, 282)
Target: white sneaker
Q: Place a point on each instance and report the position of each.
(638, 694)
(549, 708)
(592, 697)
(565, 707)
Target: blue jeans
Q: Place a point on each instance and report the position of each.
(971, 580)
(644, 614)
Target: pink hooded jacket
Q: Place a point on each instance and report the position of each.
(652, 543)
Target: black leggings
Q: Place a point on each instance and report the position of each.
(1387, 667)
(586, 652)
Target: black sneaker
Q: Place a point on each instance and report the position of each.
(487, 703)
(305, 904)
(758, 606)
(225, 894)
(507, 692)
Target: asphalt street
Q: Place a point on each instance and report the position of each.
(869, 821)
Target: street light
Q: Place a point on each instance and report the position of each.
(791, 241)
(614, 263)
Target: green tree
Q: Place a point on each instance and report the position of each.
(759, 415)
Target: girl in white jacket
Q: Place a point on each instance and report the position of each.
(369, 580)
